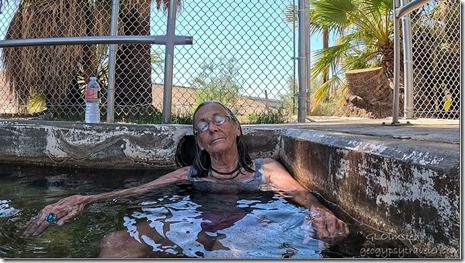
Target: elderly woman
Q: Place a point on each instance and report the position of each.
(222, 165)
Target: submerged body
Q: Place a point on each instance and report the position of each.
(222, 227)
(196, 224)
(222, 165)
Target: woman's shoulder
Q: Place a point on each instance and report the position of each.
(269, 161)
(181, 173)
(272, 166)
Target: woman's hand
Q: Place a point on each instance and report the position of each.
(328, 227)
(59, 213)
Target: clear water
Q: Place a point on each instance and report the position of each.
(254, 225)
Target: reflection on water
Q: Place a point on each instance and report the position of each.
(198, 225)
(224, 226)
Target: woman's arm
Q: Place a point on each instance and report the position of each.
(69, 207)
(328, 227)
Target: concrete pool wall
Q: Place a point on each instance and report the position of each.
(406, 190)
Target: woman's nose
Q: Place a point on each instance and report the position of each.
(212, 126)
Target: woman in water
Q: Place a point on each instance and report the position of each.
(222, 165)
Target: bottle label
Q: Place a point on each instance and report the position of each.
(91, 94)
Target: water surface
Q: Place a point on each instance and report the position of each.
(196, 224)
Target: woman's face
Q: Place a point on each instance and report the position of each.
(216, 130)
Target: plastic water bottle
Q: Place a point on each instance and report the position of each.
(92, 101)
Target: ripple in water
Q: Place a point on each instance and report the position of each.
(259, 225)
(222, 226)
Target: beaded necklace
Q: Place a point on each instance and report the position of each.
(237, 170)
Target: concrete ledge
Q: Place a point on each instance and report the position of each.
(95, 145)
(401, 187)
(110, 146)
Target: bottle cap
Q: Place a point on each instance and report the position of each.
(93, 78)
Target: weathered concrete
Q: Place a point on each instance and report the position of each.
(398, 187)
(403, 180)
(81, 145)
(109, 146)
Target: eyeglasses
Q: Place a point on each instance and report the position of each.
(218, 120)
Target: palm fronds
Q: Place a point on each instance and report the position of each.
(44, 69)
(54, 70)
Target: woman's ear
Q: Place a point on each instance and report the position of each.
(200, 146)
(196, 138)
(238, 130)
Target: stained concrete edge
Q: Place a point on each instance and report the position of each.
(403, 187)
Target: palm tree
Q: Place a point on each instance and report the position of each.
(366, 40)
(55, 71)
(40, 70)
(364, 29)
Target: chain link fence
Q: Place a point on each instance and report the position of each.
(436, 60)
(242, 54)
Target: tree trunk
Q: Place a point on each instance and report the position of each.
(325, 45)
(369, 94)
(133, 67)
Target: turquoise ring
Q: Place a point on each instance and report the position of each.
(51, 217)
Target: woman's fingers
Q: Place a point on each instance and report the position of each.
(69, 215)
(328, 227)
(36, 226)
(40, 228)
(43, 220)
(58, 213)
(336, 227)
(30, 228)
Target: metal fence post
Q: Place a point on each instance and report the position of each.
(303, 68)
(408, 64)
(112, 63)
(168, 77)
(395, 99)
(402, 11)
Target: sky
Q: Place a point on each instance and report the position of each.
(251, 32)
(262, 43)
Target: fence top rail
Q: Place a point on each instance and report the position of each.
(160, 40)
(409, 7)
